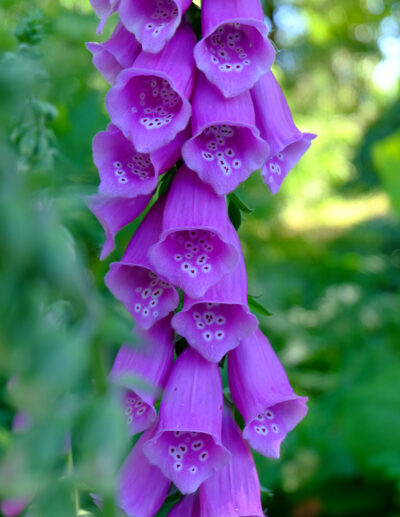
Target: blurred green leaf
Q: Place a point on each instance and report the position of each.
(386, 156)
(257, 307)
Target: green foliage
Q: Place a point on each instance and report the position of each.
(323, 255)
(386, 157)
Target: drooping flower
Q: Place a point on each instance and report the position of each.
(114, 213)
(146, 296)
(103, 9)
(115, 54)
(234, 491)
(216, 322)
(235, 51)
(275, 122)
(153, 22)
(124, 172)
(142, 370)
(188, 506)
(187, 444)
(226, 147)
(149, 101)
(262, 393)
(142, 488)
(196, 247)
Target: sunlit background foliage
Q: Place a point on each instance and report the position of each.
(323, 256)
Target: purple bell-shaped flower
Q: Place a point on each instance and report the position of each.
(262, 393)
(187, 444)
(235, 51)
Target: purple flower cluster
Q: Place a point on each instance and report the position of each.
(215, 104)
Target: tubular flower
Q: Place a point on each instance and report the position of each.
(234, 491)
(275, 122)
(153, 22)
(142, 370)
(124, 172)
(261, 391)
(114, 213)
(187, 444)
(234, 51)
(142, 488)
(103, 9)
(196, 247)
(115, 54)
(146, 296)
(187, 507)
(226, 147)
(216, 322)
(149, 102)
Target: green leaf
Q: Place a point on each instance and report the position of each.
(234, 215)
(234, 198)
(386, 157)
(166, 180)
(256, 306)
(174, 496)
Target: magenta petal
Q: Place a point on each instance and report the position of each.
(275, 122)
(153, 22)
(262, 393)
(234, 491)
(100, 7)
(142, 488)
(197, 246)
(188, 506)
(235, 51)
(220, 319)
(13, 507)
(187, 445)
(226, 147)
(143, 370)
(103, 9)
(115, 54)
(114, 213)
(146, 296)
(149, 101)
(124, 172)
(21, 422)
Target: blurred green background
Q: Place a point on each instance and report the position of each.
(323, 256)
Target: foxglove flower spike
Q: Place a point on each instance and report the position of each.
(275, 122)
(234, 491)
(226, 147)
(235, 51)
(114, 213)
(142, 370)
(115, 54)
(142, 488)
(124, 172)
(187, 444)
(261, 391)
(153, 22)
(220, 319)
(146, 296)
(150, 101)
(196, 247)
